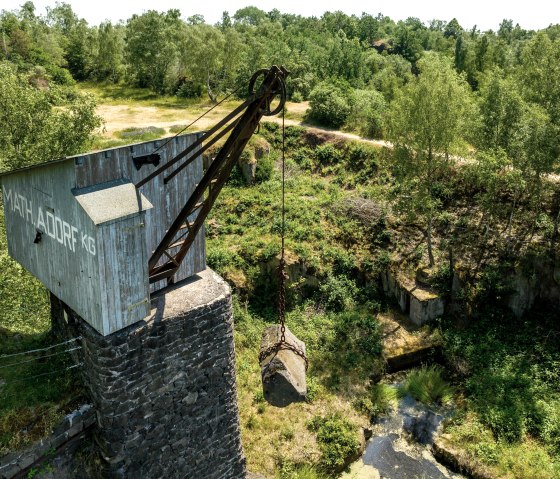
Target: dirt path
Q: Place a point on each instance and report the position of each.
(120, 117)
(341, 134)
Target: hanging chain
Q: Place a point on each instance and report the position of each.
(282, 344)
(282, 264)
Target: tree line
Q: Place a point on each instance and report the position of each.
(434, 90)
(161, 51)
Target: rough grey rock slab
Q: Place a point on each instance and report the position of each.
(283, 371)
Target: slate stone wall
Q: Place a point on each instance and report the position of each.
(164, 389)
(73, 427)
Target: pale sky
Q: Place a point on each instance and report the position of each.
(486, 14)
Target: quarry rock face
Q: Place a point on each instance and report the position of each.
(533, 283)
(248, 162)
(420, 302)
(282, 371)
(425, 306)
(248, 170)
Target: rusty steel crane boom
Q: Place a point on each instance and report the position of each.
(265, 88)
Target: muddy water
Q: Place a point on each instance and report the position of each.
(400, 447)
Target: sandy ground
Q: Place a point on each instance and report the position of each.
(119, 117)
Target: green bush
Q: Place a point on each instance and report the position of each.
(327, 154)
(362, 158)
(507, 398)
(337, 292)
(314, 389)
(329, 105)
(380, 399)
(427, 385)
(358, 337)
(303, 157)
(337, 438)
(367, 111)
(549, 427)
(297, 97)
(60, 76)
(513, 369)
(219, 258)
(265, 168)
(189, 89)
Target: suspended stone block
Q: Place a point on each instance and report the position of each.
(282, 371)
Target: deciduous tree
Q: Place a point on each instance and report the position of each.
(32, 130)
(426, 123)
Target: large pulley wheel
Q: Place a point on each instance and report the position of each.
(275, 100)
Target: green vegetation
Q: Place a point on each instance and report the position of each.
(330, 306)
(29, 405)
(514, 367)
(243, 240)
(438, 99)
(379, 400)
(337, 440)
(468, 189)
(137, 135)
(427, 386)
(330, 105)
(340, 62)
(279, 441)
(36, 124)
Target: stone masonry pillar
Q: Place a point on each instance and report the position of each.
(164, 388)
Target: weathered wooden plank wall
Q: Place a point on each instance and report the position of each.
(67, 266)
(167, 199)
(99, 271)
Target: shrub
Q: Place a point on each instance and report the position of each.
(506, 398)
(189, 89)
(427, 386)
(362, 158)
(367, 111)
(337, 439)
(303, 157)
(549, 427)
(265, 168)
(314, 389)
(357, 336)
(327, 154)
(32, 131)
(380, 399)
(219, 258)
(337, 292)
(297, 97)
(60, 75)
(329, 105)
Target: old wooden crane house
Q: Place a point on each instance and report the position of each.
(117, 236)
